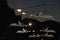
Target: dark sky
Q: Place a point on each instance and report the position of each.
(51, 6)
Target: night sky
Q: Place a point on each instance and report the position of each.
(51, 6)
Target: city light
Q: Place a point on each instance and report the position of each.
(23, 13)
(19, 10)
(30, 24)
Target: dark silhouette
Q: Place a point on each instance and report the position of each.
(7, 16)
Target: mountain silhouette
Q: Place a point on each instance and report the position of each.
(7, 16)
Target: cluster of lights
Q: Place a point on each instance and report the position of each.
(30, 24)
(44, 35)
(34, 31)
(20, 11)
(20, 24)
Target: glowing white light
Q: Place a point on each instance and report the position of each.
(30, 24)
(19, 10)
(23, 13)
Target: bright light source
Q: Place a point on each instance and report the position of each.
(30, 24)
(19, 10)
(23, 13)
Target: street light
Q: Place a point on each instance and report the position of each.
(30, 24)
(19, 10)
